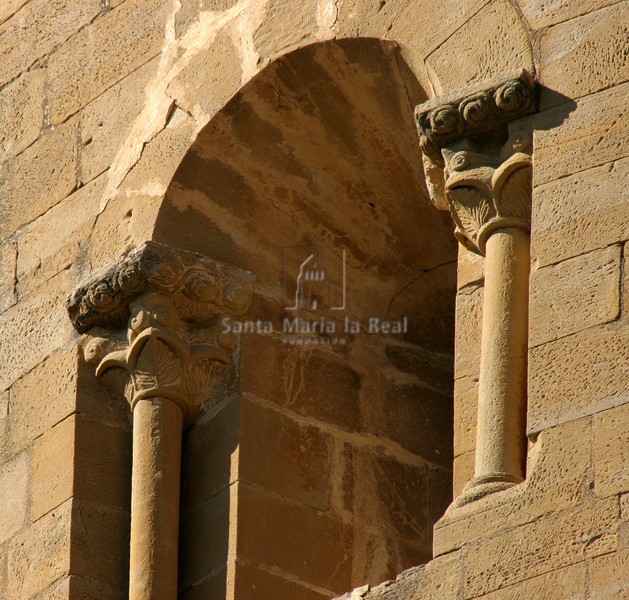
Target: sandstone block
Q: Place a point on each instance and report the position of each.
(21, 113)
(417, 418)
(469, 319)
(40, 555)
(253, 581)
(42, 255)
(465, 409)
(209, 80)
(42, 398)
(586, 54)
(53, 468)
(100, 544)
(312, 384)
(36, 29)
(78, 587)
(608, 576)
(463, 471)
(494, 40)
(89, 63)
(37, 179)
(107, 120)
(324, 562)
(8, 259)
(559, 475)
(4, 421)
(470, 270)
(14, 495)
(205, 538)
(563, 584)
(625, 281)
(9, 8)
(283, 456)
(587, 136)
(546, 545)
(286, 26)
(611, 451)
(578, 375)
(580, 213)
(573, 295)
(212, 586)
(540, 13)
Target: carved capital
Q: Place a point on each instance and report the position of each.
(169, 300)
(477, 158)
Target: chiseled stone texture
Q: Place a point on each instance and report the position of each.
(89, 63)
(575, 294)
(611, 451)
(578, 375)
(591, 134)
(469, 315)
(492, 42)
(608, 576)
(580, 213)
(21, 113)
(587, 54)
(38, 178)
(14, 495)
(38, 28)
(8, 260)
(542, 13)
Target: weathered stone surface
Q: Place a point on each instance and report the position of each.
(53, 468)
(539, 547)
(79, 587)
(580, 213)
(612, 451)
(287, 25)
(589, 135)
(559, 477)
(288, 524)
(465, 408)
(106, 120)
(417, 418)
(208, 81)
(40, 555)
(14, 495)
(42, 255)
(9, 8)
(469, 315)
(311, 383)
(37, 179)
(578, 375)
(541, 13)
(575, 294)
(608, 576)
(253, 581)
(21, 113)
(586, 54)
(37, 29)
(470, 269)
(562, 584)
(463, 471)
(283, 456)
(55, 381)
(4, 421)
(625, 281)
(8, 259)
(89, 63)
(100, 544)
(492, 42)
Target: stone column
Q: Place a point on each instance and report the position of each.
(166, 364)
(477, 161)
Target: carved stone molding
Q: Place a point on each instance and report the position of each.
(171, 347)
(200, 287)
(477, 160)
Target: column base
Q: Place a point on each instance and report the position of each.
(484, 485)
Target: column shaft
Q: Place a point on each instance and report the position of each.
(501, 441)
(157, 432)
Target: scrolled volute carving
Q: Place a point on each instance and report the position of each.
(201, 287)
(169, 300)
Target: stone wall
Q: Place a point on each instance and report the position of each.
(100, 104)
